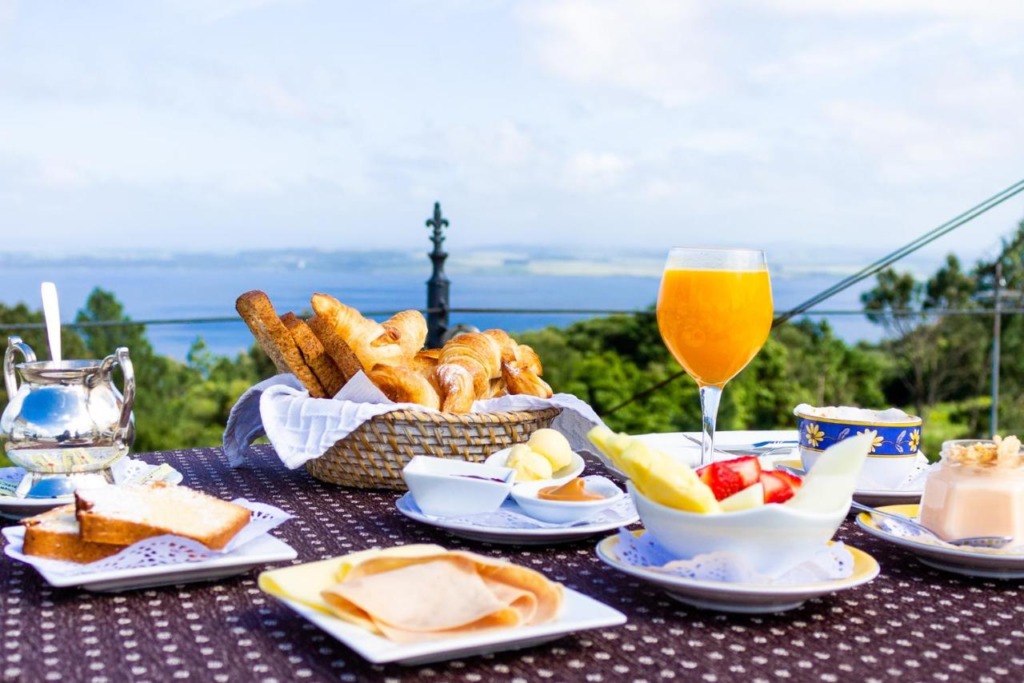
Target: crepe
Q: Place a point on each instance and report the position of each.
(420, 592)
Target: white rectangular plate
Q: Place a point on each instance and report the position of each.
(261, 550)
(579, 614)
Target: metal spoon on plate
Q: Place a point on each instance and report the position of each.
(759, 448)
(912, 528)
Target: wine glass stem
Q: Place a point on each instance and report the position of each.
(709, 397)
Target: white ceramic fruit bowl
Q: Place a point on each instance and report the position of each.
(451, 488)
(566, 511)
(560, 476)
(772, 538)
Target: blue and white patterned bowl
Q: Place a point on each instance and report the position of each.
(894, 449)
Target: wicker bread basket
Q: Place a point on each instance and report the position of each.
(374, 454)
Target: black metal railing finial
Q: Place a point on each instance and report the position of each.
(437, 286)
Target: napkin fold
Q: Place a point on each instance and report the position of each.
(418, 593)
(302, 428)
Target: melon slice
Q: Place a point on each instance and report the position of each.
(833, 478)
(750, 497)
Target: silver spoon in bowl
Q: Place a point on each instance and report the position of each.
(53, 486)
(912, 528)
(51, 313)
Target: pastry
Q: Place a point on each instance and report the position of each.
(275, 339)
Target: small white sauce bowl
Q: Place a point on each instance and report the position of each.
(560, 476)
(450, 488)
(566, 511)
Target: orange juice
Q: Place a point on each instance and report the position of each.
(714, 321)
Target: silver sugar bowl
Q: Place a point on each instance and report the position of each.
(66, 417)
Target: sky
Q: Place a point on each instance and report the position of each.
(807, 127)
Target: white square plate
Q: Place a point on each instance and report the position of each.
(259, 551)
(579, 614)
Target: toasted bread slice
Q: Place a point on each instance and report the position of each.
(336, 347)
(129, 513)
(313, 353)
(55, 534)
(275, 339)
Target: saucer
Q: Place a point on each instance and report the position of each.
(979, 562)
(124, 470)
(741, 598)
(537, 533)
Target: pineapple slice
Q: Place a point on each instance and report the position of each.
(656, 474)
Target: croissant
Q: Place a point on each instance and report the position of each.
(465, 368)
(505, 343)
(527, 359)
(521, 380)
(404, 385)
(335, 347)
(498, 388)
(406, 328)
(367, 338)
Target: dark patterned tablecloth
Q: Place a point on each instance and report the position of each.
(912, 623)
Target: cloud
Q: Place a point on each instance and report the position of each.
(55, 174)
(908, 147)
(657, 49)
(275, 97)
(846, 57)
(1000, 10)
(594, 172)
(213, 11)
(8, 14)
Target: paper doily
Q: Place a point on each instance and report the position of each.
(159, 551)
(829, 563)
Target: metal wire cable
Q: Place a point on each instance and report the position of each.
(866, 272)
(931, 312)
(909, 248)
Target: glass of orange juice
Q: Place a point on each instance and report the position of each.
(714, 315)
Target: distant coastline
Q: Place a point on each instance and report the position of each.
(514, 283)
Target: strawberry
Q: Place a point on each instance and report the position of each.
(747, 466)
(794, 481)
(721, 479)
(779, 486)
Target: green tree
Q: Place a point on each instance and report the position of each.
(940, 352)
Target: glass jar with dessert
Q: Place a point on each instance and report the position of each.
(977, 490)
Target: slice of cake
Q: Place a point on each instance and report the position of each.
(130, 513)
(54, 534)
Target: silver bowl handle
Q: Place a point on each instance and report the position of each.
(14, 344)
(120, 357)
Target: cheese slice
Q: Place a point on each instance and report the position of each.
(304, 582)
(420, 592)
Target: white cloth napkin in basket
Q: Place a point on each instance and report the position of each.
(302, 428)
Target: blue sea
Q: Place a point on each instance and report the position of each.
(181, 292)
